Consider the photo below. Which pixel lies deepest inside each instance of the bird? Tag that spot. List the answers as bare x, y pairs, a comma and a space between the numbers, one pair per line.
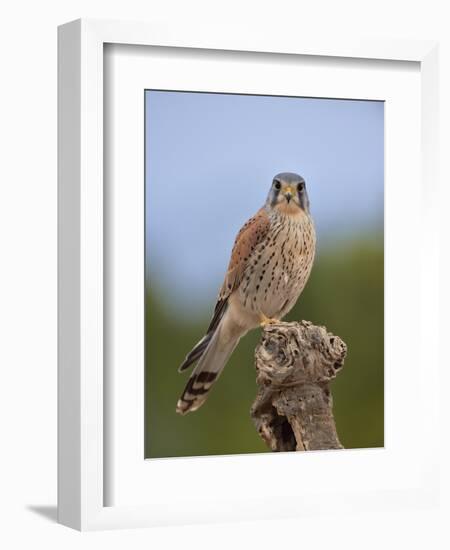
270, 264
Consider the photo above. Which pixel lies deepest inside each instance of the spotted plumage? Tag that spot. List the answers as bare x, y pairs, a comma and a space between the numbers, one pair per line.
270, 264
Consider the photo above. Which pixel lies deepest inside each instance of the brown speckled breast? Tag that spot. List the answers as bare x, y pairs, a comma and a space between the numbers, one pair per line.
279, 266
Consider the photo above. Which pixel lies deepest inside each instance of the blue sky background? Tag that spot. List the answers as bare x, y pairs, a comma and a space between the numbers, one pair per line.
210, 160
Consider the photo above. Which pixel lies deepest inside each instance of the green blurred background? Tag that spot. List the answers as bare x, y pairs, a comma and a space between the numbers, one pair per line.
210, 159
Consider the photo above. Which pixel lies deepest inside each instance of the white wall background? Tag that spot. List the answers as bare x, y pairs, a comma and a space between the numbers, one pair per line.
28, 269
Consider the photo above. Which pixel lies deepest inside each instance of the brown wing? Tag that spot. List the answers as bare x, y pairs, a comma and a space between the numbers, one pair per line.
250, 235
248, 238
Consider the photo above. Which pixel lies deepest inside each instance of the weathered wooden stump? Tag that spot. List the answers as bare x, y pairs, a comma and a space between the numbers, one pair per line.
293, 410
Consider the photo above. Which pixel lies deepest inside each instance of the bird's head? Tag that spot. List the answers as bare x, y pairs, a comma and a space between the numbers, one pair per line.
288, 194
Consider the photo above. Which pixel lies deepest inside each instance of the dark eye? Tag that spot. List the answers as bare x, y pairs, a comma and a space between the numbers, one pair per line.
277, 185
301, 186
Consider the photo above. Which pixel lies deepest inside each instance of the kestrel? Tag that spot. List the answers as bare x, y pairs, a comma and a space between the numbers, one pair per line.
270, 264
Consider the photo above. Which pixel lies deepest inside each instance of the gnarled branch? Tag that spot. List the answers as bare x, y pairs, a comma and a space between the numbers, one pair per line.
293, 410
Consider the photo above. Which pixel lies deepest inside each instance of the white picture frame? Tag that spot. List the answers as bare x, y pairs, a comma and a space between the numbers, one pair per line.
83, 480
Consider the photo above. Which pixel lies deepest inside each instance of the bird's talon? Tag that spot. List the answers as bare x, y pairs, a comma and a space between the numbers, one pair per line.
265, 321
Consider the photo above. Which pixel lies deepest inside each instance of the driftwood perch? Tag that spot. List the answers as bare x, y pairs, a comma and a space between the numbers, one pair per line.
293, 410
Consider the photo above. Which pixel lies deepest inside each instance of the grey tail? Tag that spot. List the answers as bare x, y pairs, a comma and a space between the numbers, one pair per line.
208, 369
194, 355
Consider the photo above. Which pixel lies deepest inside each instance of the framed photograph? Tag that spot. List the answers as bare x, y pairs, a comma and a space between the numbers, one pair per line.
244, 210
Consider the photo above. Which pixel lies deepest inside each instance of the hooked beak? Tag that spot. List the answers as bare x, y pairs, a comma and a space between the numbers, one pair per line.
288, 194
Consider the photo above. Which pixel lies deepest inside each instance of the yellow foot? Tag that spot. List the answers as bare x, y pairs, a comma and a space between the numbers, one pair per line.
267, 321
